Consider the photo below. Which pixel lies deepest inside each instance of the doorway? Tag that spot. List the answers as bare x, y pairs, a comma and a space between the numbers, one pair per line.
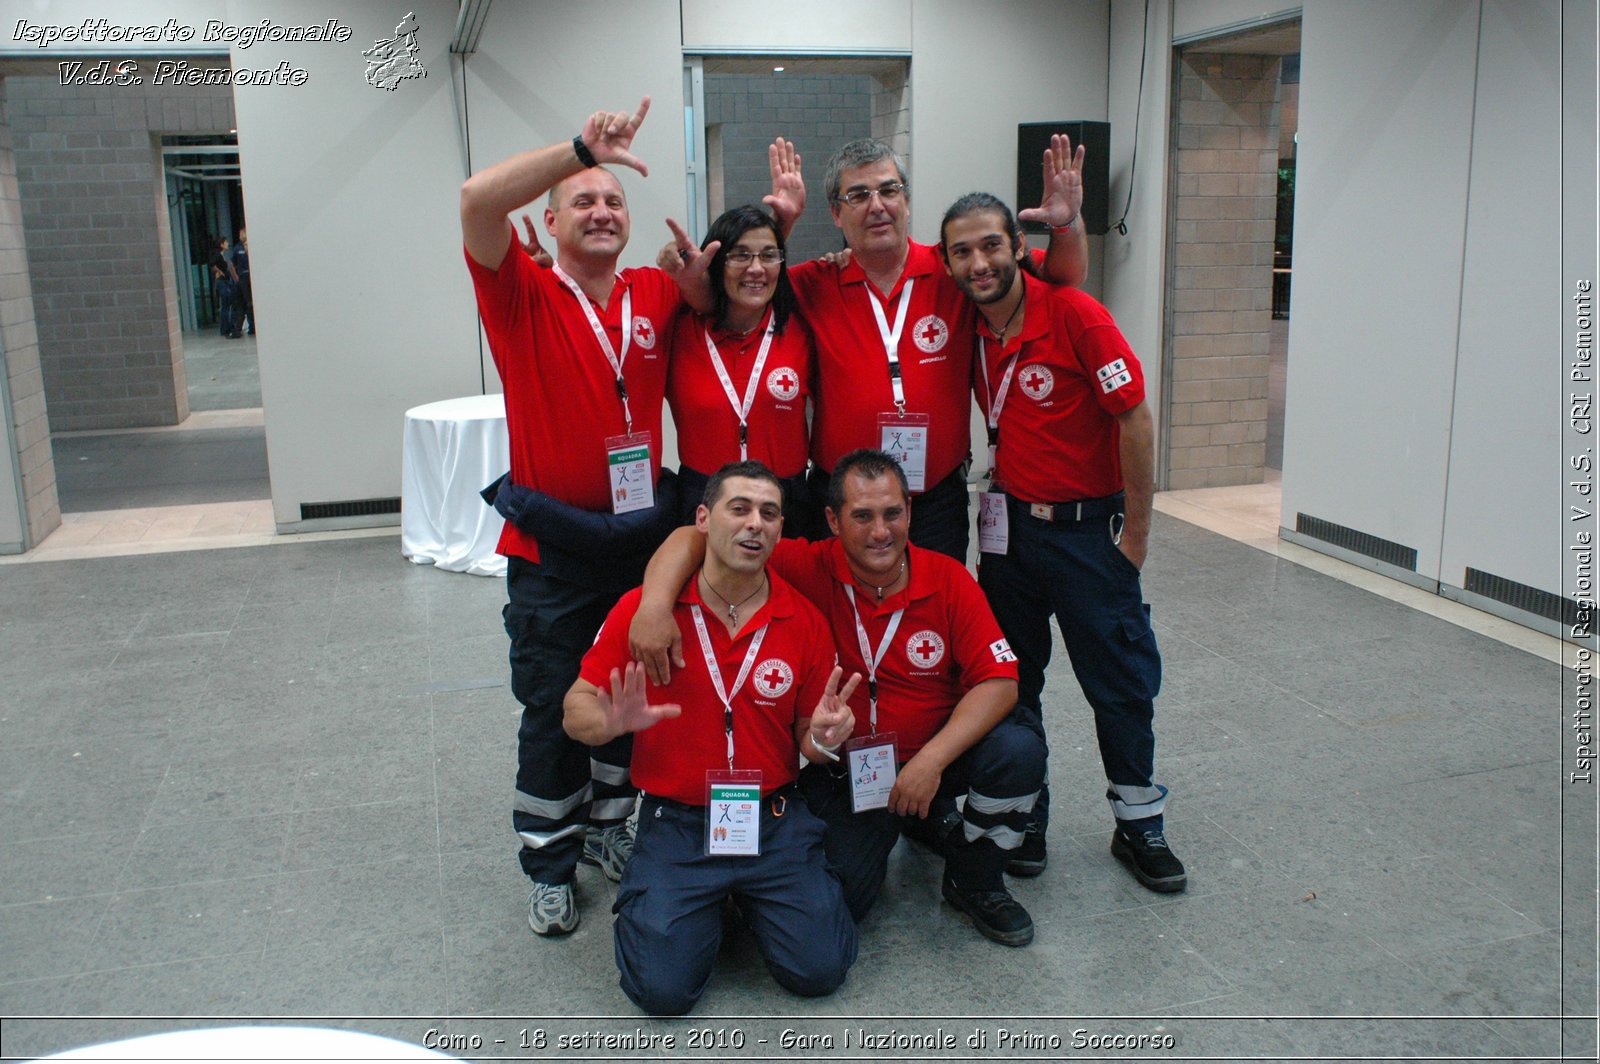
1234, 116
736, 104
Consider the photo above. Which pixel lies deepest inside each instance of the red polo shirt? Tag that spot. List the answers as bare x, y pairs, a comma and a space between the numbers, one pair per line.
708, 424
853, 385
1074, 374
790, 673
947, 642
561, 392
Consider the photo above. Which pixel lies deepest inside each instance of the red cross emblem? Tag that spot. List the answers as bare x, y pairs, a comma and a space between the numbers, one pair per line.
1036, 381
644, 334
930, 333
773, 677
925, 649
783, 383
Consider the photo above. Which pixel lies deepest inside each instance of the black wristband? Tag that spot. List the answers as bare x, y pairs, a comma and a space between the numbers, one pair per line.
581, 150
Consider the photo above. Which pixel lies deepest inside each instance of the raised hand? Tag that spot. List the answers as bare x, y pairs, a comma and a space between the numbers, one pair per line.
787, 200
625, 707
1063, 184
832, 721
609, 135
531, 246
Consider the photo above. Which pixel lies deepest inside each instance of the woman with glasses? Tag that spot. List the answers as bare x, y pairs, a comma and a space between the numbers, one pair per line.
740, 375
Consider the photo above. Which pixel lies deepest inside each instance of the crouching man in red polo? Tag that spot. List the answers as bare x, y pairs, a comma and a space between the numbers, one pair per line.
716, 752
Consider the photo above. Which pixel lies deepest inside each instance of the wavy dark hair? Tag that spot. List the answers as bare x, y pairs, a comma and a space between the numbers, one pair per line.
972, 203
728, 228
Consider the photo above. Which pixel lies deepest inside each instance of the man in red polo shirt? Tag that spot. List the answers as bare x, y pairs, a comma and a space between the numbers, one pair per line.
716, 752
1066, 526
894, 335
581, 351
934, 717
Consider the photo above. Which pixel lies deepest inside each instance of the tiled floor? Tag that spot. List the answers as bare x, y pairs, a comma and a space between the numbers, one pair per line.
272, 781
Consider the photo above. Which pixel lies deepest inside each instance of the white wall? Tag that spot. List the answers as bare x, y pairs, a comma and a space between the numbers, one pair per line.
143, 13
865, 27
1133, 267
355, 244
1386, 95
1208, 18
1502, 506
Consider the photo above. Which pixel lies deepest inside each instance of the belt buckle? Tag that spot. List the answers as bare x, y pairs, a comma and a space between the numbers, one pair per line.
1042, 510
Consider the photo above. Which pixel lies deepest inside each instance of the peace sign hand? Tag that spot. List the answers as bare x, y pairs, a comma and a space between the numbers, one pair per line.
832, 721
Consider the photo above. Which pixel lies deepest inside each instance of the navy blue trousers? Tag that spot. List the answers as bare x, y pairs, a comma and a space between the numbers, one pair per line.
1074, 572
669, 905
562, 785
1000, 775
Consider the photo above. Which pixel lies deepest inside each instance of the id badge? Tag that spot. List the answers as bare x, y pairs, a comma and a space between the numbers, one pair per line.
872, 771
733, 813
994, 530
628, 462
906, 437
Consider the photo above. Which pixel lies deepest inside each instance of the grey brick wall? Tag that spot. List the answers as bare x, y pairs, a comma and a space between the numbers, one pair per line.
94, 212
19, 339
817, 112
1223, 225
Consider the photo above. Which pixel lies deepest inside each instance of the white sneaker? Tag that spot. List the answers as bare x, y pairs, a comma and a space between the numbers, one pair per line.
551, 909
610, 848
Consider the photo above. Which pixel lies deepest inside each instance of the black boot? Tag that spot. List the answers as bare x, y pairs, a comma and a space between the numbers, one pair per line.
973, 884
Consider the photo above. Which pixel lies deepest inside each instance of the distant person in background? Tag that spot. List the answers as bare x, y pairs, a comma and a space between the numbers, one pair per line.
226, 284
245, 302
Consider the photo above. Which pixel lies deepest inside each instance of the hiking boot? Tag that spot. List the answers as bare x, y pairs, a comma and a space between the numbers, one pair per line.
1029, 859
995, 913
609, 848
552, 910
1150, 859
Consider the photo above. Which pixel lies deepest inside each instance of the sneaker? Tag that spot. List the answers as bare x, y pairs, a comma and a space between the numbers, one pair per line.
609, 848
1150, 859
995, 913
552, 910
1029, 859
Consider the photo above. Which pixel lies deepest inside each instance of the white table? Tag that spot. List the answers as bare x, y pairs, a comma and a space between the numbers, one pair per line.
453, 449
263, 1044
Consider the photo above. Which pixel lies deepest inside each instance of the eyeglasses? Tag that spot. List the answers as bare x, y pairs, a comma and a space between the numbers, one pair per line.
741, 256
888, 192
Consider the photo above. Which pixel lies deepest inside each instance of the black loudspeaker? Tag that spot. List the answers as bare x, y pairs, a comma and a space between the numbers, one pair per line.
1032, 140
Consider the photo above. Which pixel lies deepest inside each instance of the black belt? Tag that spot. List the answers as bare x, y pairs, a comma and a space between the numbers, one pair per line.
1071, 512
775, 801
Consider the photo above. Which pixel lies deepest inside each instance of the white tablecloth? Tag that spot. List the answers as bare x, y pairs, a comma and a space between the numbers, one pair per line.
265, 1044
452, 450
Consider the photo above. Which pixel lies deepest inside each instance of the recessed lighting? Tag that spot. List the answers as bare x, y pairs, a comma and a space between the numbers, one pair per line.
777, 70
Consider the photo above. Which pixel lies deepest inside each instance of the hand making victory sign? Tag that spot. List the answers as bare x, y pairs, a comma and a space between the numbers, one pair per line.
832, 722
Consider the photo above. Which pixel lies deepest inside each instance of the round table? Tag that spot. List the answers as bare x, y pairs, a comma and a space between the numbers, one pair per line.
453, 449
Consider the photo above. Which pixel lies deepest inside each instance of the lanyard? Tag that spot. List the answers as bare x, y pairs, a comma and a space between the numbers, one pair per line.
742, 409
998, 402
715, 670
605, 341
871, 657
891, 338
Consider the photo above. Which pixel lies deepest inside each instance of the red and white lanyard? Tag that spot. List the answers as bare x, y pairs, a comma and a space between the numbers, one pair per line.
994, 406
872, 657
605, 341
726, 696
891, 338
742, 409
